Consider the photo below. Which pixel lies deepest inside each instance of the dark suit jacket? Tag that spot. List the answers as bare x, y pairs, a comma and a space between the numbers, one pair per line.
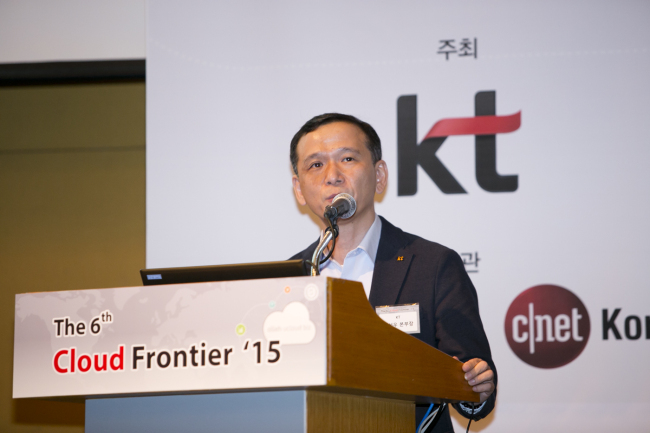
433, 276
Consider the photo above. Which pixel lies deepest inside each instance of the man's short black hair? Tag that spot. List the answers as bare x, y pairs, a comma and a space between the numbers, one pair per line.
372, 139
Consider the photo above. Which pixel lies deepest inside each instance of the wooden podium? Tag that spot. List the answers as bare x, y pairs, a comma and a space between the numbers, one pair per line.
374, 375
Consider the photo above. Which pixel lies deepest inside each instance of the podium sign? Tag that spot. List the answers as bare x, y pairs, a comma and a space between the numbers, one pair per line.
173, 338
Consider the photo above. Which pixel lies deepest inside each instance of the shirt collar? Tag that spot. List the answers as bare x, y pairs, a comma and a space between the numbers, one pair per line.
370, 242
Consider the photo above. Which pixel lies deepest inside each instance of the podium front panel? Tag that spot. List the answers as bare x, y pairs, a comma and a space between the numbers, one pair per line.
254, 334
268, 412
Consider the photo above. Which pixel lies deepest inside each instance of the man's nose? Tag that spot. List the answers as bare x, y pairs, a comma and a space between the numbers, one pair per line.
333, 175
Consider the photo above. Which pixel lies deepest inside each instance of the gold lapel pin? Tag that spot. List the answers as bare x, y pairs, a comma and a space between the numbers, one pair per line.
400, 258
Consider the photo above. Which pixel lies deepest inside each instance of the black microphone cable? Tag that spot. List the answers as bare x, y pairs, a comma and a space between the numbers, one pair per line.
470, 420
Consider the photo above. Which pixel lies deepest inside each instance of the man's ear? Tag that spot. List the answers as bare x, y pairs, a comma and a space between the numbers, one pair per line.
297, 191
381, 173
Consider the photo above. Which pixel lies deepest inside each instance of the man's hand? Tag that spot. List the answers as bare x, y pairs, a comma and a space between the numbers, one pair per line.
480, 376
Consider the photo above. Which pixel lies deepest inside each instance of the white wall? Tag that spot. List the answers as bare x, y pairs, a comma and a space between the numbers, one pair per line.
69, 30
228, 84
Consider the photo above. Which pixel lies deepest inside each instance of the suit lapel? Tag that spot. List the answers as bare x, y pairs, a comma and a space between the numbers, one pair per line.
391, 266
392, 263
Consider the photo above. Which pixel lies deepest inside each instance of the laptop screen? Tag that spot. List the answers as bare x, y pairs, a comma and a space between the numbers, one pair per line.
243, 271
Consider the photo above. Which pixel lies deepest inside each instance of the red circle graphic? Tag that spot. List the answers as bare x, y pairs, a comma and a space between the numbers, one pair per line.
556, 319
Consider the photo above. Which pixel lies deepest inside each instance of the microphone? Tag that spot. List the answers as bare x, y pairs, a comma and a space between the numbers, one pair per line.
343, 206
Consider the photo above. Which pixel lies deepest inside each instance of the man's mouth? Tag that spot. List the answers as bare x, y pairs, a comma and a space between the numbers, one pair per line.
329, 198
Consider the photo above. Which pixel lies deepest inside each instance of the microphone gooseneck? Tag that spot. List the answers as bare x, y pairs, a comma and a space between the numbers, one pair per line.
343, 206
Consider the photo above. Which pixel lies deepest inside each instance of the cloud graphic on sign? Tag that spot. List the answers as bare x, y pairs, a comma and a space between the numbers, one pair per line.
291, 326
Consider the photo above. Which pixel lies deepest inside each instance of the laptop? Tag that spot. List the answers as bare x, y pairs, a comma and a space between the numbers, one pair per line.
243, 271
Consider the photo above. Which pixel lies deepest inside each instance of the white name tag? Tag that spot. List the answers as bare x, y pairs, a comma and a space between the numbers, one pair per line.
403, 317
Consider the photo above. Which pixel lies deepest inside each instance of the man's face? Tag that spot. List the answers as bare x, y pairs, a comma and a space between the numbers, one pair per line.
334, 159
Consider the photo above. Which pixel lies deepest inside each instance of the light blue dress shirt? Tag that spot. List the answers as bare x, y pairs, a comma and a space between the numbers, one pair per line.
359, 264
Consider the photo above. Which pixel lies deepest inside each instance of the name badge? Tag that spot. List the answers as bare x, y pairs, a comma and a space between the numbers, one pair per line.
403, 317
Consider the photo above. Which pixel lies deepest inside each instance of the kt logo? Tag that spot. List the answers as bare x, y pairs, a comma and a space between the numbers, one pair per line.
484, 126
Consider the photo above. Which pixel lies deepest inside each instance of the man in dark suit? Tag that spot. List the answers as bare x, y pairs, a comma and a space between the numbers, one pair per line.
335, 153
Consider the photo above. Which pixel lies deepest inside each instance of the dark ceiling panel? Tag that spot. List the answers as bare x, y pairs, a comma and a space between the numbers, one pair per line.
17, 74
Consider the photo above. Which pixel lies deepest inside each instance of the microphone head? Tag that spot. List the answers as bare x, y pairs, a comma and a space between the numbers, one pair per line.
351, 208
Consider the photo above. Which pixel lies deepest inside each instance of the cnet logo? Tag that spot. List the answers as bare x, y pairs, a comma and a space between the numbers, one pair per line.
547, 326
